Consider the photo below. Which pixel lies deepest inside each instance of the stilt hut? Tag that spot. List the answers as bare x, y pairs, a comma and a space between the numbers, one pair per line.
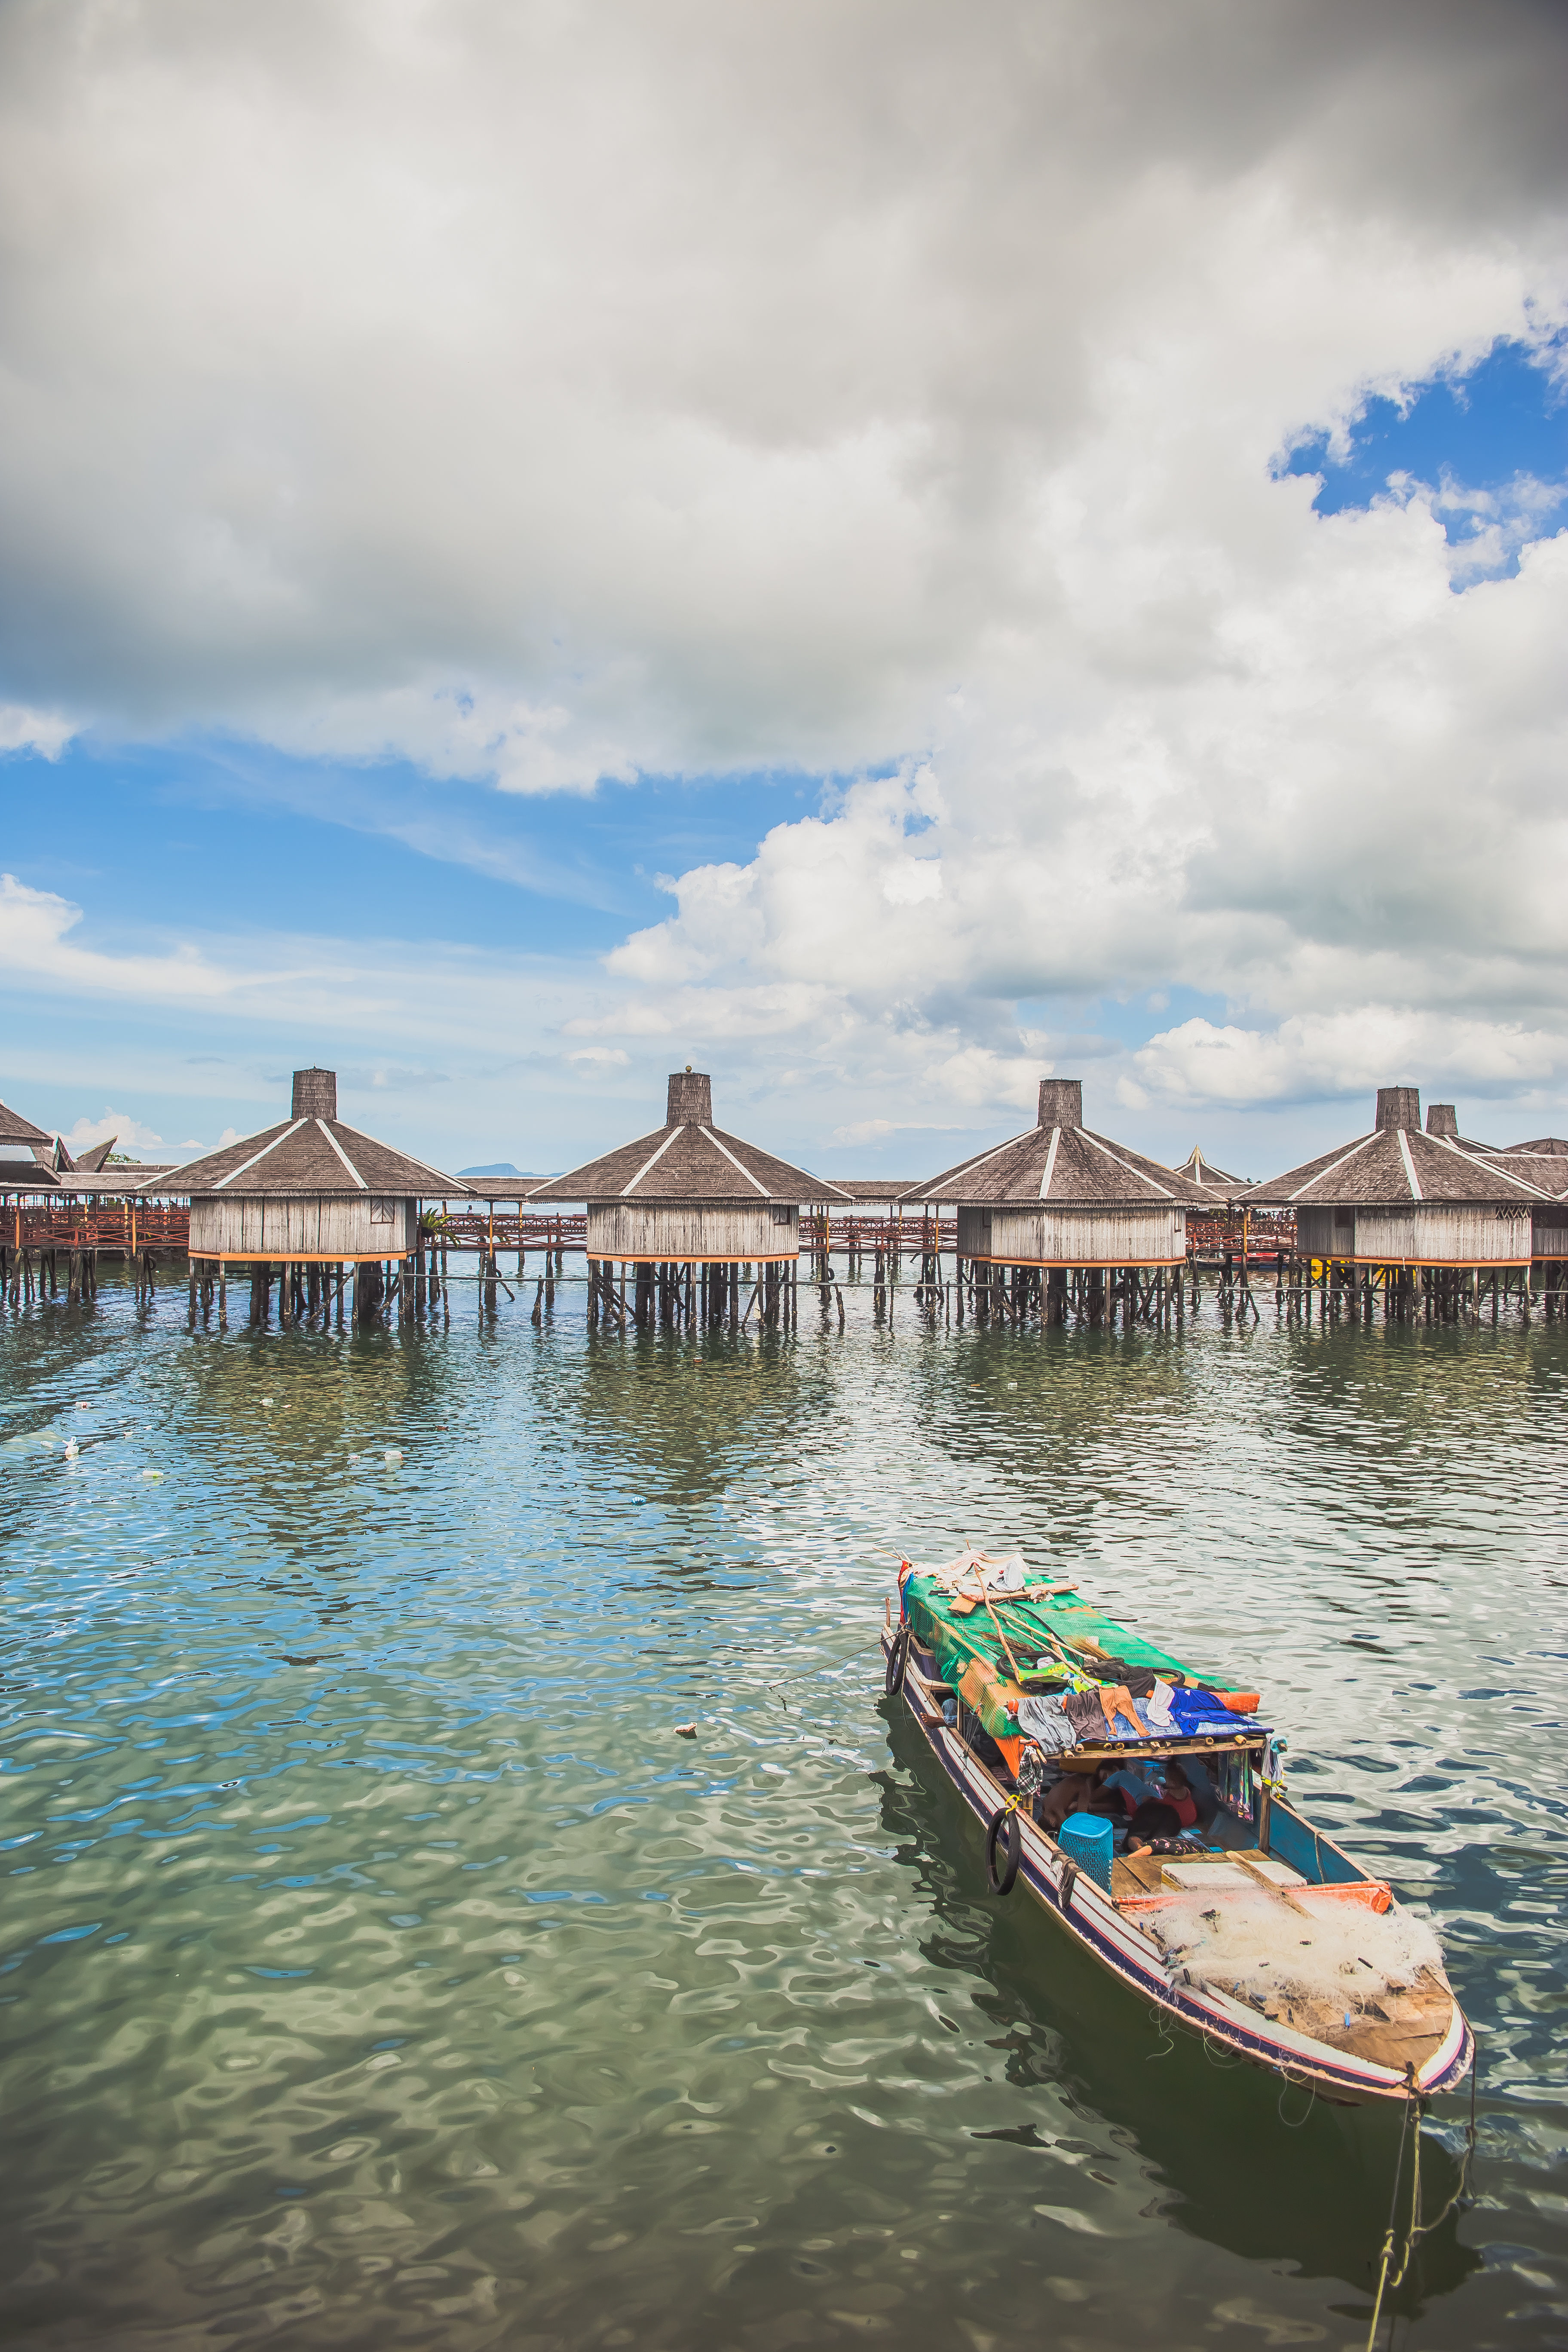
304, 1200
699, 1216
1406, 1213
1545, 1163
1064, 1222
26, 1153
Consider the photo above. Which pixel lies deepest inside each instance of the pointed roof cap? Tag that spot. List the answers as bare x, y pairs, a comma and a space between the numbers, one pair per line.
312, 1154
1061, 1162
1396, 1165
1199, 1170
688, 1158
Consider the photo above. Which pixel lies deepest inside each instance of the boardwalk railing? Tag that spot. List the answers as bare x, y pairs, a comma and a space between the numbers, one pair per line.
130, 1226
1265, 1236
136, 1226
494, 1230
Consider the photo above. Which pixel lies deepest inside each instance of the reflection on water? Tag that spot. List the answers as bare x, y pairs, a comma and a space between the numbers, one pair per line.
379, 1969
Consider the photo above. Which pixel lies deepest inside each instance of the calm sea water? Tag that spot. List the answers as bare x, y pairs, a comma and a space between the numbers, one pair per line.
380, 1970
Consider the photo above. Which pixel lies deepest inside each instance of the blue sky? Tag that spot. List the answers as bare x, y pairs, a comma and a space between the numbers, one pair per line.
508, 652
1481, 431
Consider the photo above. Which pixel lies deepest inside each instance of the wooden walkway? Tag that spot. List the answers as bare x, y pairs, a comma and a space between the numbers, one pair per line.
136, 1228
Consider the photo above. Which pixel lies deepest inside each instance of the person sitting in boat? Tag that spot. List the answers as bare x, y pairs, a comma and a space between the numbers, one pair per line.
1151, 1823
1200, 1788
1069, 1793
1176, 1790
1132, 1786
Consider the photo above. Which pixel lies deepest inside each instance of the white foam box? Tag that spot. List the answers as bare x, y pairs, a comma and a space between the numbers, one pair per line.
1277, 1873
1205, 1877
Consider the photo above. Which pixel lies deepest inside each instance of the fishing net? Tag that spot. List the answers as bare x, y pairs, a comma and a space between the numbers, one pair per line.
1262, 1945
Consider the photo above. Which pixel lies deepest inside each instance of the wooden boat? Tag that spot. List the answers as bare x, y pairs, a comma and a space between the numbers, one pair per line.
1264, 1865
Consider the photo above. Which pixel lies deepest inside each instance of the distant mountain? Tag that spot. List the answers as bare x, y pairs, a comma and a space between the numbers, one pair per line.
505, 1168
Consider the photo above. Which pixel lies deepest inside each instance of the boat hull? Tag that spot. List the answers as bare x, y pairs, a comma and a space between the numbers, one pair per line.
1093, 1919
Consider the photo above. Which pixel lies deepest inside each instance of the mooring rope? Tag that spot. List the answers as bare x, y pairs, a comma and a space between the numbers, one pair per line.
1388, 2278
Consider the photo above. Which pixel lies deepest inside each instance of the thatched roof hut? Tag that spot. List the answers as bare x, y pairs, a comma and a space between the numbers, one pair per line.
1544, 1162
688, 1192
1060, 1195
309, 1188
1397, 1197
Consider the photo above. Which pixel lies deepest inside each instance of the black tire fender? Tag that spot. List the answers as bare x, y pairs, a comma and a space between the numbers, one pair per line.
1003, 1828
898, 1658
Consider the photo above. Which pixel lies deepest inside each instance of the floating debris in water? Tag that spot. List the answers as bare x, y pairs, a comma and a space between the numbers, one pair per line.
392, 1454
71, 1447
151, 1474
686, 1731
267, 1400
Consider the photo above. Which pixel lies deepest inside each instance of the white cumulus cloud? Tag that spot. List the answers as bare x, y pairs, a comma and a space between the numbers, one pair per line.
879, 391
131, 1133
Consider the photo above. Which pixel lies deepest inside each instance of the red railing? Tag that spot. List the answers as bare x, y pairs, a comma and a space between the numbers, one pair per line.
131, 1225
1265, 1235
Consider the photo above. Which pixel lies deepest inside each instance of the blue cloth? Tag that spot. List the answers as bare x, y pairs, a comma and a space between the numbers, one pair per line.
1199, 1713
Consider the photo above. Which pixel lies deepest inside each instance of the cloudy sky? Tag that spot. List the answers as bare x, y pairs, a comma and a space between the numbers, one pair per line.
878, 549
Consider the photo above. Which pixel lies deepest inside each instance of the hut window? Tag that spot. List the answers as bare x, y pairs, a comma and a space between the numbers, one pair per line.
1344, 1220
384, 1213
783, 1216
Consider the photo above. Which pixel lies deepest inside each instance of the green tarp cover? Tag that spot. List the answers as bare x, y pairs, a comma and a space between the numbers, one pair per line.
956, 1640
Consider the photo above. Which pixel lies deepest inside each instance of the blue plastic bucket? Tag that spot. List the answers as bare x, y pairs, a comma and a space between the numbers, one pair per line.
1085, 1839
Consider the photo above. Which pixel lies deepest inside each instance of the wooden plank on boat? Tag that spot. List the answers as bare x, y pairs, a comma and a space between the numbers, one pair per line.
1199, 1877
1274, 1873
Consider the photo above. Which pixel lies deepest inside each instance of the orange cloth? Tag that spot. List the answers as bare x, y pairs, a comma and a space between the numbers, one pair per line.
1366, 1893
1013, 1751
1117, 1707
1240, 1702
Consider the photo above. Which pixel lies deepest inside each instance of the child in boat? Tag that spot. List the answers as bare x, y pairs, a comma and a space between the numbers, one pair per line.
1152, 1822
1177, 1792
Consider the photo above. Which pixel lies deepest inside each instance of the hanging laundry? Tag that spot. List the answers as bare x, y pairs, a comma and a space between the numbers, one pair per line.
1117, 1707
1156, 1706
1047, 1720
1202, 1712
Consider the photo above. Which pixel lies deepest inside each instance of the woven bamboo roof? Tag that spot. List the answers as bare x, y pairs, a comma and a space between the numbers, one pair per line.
1545, 1147
14, 1128
689, 1159
1396, 1165
312, 1155
1061, 1162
